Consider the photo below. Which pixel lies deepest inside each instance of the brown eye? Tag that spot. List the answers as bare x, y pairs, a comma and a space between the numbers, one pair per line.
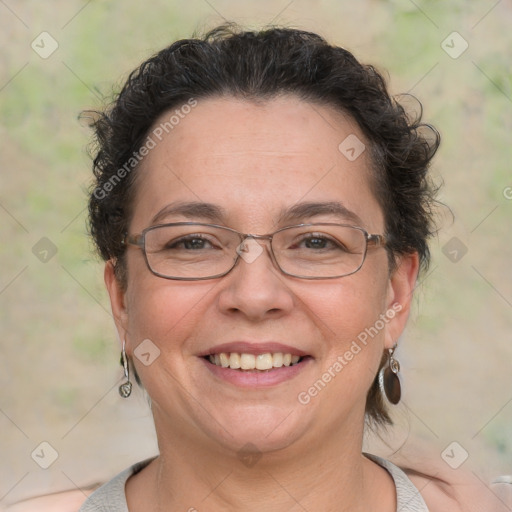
319, 242
316, 243
190, 243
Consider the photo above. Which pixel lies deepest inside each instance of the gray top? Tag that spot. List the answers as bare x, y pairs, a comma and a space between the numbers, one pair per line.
111, 497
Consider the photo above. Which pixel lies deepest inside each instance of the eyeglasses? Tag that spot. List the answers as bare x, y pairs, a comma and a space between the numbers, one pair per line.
192, 251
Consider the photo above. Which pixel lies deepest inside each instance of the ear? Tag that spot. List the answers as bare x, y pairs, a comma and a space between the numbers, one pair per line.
117, 299
399, 297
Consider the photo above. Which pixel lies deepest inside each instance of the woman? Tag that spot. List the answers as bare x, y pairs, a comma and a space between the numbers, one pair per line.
263, 207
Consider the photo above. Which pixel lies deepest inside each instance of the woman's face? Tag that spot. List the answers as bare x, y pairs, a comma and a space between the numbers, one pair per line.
258, 165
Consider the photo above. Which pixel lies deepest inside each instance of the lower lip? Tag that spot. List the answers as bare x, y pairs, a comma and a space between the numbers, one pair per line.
257, 378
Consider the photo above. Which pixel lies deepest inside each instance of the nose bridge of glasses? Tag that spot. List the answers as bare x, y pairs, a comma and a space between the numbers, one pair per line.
245, 236
250, 247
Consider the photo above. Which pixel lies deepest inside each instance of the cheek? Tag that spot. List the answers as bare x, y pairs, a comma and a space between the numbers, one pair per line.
165, 311
353, 338
349, 315
347, 307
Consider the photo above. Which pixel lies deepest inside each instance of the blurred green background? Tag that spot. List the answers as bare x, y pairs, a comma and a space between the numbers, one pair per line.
59, 354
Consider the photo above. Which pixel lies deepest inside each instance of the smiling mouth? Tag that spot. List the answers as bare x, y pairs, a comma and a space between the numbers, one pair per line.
247, 362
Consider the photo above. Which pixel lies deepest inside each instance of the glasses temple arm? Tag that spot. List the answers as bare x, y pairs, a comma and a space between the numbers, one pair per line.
137, 240
377, 240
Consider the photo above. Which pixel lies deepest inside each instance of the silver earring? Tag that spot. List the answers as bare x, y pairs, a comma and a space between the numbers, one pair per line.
125, 389
390, 382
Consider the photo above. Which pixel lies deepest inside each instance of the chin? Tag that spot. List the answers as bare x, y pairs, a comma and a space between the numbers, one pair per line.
260, 428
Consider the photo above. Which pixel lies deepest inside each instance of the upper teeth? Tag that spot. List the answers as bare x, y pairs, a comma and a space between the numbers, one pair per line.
265, 361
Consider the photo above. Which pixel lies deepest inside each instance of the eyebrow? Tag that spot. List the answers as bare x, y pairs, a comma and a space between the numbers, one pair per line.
307, 210
193, 209
297, 213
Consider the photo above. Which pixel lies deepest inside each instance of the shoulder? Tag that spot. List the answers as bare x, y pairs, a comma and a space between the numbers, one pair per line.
439, 495
458, 490
69, 501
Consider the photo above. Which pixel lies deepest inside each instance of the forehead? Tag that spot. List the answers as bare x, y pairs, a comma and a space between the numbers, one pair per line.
255, 159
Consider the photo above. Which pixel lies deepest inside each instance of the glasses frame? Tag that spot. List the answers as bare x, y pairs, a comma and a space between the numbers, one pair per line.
139, 240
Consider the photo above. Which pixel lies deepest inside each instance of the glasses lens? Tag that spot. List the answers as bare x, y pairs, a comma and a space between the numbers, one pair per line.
190, 251
202, 251
320, 250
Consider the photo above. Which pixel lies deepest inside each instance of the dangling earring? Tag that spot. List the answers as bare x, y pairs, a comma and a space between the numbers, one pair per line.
125, 389
390, 382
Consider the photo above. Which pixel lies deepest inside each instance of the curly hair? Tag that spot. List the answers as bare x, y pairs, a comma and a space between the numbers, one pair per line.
259, 65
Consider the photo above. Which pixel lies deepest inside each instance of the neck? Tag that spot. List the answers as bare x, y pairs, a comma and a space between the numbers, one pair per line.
311, 475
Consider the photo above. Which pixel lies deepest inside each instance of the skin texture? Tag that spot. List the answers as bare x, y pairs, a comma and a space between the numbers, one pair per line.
311, 453
253, 160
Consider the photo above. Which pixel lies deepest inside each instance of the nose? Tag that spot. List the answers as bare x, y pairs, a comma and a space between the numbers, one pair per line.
255, 288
